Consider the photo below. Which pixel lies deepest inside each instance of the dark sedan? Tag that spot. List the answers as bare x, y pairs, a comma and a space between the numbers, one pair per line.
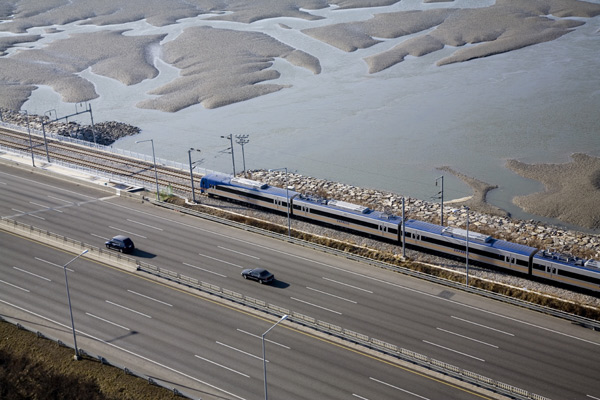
258, 274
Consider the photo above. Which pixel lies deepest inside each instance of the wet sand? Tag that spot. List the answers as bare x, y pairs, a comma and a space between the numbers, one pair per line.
572, 190
476, 202
221, 66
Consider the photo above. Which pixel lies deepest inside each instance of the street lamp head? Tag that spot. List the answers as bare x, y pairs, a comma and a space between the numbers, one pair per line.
85, 251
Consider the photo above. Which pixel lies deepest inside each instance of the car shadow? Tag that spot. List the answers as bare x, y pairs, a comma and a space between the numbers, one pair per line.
280, 284
142, 254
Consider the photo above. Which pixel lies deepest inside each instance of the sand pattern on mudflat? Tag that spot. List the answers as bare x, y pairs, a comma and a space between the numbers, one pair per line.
231, 72
221, 66
572, 190
480, 32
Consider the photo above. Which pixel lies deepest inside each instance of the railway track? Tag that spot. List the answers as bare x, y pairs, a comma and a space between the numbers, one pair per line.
129, 168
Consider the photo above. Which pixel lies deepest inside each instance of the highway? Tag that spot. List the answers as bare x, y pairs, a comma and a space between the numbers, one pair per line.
535, 352
206, 349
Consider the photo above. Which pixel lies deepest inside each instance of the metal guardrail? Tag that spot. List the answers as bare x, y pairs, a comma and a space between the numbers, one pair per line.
587, 322
126, 153
273, 309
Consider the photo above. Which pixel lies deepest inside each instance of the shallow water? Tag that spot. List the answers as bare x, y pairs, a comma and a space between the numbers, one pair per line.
389, 130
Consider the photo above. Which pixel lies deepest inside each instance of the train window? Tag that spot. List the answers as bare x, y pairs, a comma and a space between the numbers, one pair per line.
580, 277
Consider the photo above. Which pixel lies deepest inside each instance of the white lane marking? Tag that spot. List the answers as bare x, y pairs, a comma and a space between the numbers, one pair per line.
222, 366
39, 205
219, 260
266, 340
128, 309
31, 273
592, 397
124, 349
28, 213
124, 231
99, 237
2, 183
53, 264
238, 252
397, 388
332, 295
15, 286
466, 337
455, 351
205, 270
59, 199
240, 351
314, 305
146, 225
360, 397
108, 322
46, 207
150, 298
37, 183
350, 272
483, 326
345, 284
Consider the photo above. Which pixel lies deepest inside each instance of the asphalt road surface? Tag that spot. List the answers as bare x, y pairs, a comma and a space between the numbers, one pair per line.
541, 354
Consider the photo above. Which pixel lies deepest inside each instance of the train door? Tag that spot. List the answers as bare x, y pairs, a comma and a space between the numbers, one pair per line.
511, 261
551, 270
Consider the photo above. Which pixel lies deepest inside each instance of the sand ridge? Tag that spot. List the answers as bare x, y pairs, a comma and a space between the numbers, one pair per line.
241, 61
503, 27
572, 190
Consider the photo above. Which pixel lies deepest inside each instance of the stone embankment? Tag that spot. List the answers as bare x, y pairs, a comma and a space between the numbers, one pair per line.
530, 232
104, 133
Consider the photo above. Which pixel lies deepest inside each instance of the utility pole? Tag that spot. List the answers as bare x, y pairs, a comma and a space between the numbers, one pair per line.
242, 140
230, 137
441, 196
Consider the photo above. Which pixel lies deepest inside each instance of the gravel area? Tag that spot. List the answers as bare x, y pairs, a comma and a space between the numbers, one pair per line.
411, 254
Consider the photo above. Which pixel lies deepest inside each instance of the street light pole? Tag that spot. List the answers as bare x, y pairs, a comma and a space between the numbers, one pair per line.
154, 160
263, 352
230, 137
191, 173
287, 197
30, 142
403, 231
467, 259
467, 209
76, 357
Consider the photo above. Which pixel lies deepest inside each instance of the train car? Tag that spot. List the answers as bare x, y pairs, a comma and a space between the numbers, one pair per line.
348, 216
567, 270
483, 249
246, 191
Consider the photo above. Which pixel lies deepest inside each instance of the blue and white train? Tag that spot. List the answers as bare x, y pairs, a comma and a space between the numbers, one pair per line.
483, 249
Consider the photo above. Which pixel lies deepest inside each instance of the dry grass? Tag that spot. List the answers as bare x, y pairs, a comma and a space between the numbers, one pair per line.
38, 368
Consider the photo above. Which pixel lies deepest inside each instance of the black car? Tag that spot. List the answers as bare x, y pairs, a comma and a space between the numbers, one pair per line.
121, 243
258, 274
